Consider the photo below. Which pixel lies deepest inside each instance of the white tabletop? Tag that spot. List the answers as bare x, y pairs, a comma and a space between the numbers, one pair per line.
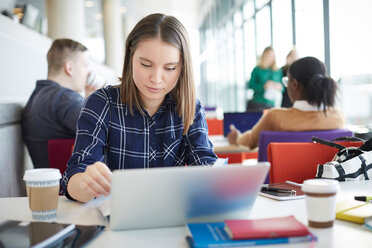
342, 234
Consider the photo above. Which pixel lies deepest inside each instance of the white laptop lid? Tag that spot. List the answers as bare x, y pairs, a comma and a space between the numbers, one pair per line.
173, 196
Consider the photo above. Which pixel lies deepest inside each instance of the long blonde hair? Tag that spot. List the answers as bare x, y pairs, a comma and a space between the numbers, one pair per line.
170, 30
261, 63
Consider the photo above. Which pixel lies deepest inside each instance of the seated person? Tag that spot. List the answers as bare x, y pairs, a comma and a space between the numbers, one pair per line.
152, 119
313, 95
54, 105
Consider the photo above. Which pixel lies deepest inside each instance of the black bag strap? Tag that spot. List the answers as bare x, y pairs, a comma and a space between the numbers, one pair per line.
348, 138
328, 143
367, 146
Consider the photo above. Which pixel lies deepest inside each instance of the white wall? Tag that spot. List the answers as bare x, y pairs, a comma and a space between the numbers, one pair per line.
22, 60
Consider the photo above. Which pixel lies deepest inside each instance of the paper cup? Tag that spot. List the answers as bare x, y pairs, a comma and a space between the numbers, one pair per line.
42, 187
320, 201
96, 80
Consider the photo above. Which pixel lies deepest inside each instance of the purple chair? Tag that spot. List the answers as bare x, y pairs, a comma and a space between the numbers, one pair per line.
266, 137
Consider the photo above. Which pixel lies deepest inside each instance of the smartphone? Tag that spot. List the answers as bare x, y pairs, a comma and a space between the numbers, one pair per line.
283, 196
45, 234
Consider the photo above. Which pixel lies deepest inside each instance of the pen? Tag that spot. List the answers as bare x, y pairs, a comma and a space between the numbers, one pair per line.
293, 183
278, 190
363, 198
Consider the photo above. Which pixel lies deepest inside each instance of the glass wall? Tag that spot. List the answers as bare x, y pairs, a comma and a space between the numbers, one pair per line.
263, 29
310, 28
351, 38
350, 54
282, 29
239, 62
235, 33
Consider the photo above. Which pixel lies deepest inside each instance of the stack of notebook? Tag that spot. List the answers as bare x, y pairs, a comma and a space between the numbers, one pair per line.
238, 233
355, 211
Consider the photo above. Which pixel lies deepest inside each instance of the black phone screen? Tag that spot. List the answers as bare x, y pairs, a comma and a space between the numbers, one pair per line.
45, 234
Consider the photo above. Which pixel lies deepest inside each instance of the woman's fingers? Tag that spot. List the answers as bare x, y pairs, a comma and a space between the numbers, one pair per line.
97, 179
105, 171
232, 137
92, 186
232, 128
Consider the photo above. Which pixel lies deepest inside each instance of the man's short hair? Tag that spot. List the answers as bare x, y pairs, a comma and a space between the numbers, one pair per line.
60, 51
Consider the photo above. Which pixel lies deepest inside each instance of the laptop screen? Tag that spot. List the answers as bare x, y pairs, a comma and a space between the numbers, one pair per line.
174, 196
243, 121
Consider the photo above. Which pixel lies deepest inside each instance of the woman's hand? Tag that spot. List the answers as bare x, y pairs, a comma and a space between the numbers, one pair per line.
94, 182
96, 179
233, 136
269, 84
274, 85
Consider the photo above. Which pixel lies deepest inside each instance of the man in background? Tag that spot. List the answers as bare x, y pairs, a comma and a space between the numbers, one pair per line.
54, 106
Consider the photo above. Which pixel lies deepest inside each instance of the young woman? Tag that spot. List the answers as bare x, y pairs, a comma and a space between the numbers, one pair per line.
151, 120
265, 82
313, 95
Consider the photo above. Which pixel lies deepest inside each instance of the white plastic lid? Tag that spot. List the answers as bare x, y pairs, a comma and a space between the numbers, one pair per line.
320, 186
42, 175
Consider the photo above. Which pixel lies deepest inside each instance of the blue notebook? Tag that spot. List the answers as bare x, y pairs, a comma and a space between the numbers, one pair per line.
205, 235
243, 121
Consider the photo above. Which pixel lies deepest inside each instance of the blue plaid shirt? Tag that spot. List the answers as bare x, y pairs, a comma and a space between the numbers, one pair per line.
107, 132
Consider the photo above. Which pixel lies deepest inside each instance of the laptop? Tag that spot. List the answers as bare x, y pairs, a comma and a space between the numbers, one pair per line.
242, 120
174, 196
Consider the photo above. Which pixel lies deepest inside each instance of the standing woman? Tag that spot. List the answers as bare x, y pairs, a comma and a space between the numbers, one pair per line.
265, 82
151, 120
313, 94
292, 56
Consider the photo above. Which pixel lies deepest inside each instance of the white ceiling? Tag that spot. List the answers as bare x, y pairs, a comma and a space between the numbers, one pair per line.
189, 12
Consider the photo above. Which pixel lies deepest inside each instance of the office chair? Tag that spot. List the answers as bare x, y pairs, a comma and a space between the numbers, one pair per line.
59, 152
215, 126
266, 137
298, 161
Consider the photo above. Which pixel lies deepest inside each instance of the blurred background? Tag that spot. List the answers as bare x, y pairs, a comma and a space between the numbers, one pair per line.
227, 38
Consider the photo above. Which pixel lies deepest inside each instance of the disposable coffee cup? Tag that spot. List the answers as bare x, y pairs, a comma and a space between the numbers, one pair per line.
320, 197
42, 186
96, 80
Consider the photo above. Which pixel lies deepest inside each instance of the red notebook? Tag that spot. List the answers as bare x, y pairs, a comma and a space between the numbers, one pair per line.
287, 226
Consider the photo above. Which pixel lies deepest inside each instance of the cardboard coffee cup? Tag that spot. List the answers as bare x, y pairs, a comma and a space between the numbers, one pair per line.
96, 80
42, 187
320, 201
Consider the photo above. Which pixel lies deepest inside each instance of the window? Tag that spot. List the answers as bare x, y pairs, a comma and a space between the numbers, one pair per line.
250, 48
228, 92
260, 3
263, 24
351, 38
248, 10
282, 29
310, 28
239, 62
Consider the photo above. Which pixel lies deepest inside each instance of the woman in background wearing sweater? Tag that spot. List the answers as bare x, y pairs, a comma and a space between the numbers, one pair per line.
313, 95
